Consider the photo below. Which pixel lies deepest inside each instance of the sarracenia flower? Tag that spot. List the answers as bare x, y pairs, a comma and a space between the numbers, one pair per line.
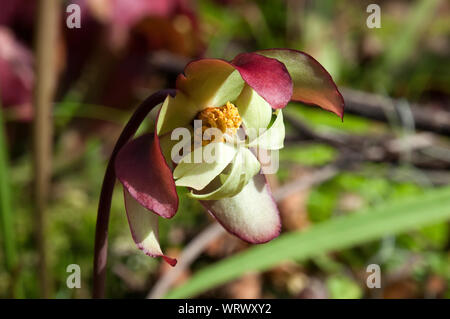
229, 111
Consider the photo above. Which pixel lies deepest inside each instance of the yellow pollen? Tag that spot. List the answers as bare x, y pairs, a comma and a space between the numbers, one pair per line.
226, 118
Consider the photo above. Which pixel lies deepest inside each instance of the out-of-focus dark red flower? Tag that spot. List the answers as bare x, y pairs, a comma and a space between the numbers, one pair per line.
166, 24
18, 14
108, 55
118, 37
16, 58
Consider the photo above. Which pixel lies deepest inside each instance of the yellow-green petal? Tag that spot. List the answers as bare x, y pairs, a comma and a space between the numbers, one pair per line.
273, 138
210, 82
253, 109
178, 111
244, 167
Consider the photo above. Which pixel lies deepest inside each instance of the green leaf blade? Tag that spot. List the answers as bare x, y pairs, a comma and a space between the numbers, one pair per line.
339, 233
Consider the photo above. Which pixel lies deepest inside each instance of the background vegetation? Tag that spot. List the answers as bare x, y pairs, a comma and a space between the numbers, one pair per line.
370, 190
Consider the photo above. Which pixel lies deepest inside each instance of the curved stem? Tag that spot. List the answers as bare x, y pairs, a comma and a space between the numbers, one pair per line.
104, 205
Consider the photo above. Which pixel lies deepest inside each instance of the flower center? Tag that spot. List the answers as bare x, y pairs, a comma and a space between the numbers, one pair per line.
226, 118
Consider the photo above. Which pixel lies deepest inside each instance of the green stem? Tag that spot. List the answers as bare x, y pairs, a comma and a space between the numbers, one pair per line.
104, 205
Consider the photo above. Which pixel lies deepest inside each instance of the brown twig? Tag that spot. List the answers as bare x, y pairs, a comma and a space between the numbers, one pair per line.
46, 37
104, 205
305, 182
129, 277
384, 148
189, 254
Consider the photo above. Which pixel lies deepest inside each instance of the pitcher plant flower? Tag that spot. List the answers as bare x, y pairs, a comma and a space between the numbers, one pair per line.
221, 116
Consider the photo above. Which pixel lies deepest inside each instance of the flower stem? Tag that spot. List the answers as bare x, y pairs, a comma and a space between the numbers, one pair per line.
104, 205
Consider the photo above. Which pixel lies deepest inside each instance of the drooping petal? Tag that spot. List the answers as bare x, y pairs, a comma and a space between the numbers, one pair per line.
141, 168
245, 165
252, 215
268, 77
210, 82
144, 228
312, 83
273, 138
178, 111
253, 109
198, 168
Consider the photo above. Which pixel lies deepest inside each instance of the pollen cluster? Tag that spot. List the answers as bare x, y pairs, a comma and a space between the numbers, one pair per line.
226, 118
